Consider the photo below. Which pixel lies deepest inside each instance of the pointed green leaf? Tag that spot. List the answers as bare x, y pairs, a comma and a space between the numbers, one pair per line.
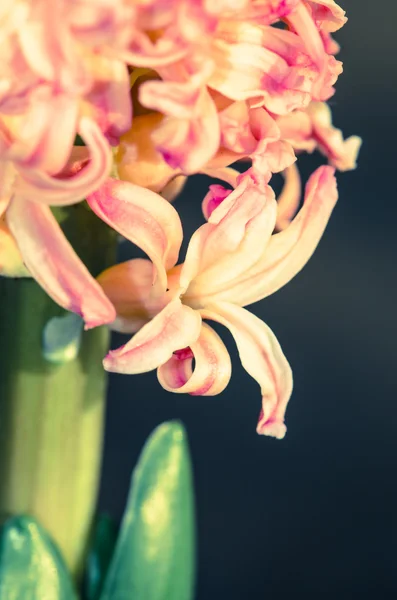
154, 556
30, 565
100, 555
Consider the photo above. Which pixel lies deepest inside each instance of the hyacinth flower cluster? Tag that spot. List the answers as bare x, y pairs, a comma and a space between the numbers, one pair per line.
158, 91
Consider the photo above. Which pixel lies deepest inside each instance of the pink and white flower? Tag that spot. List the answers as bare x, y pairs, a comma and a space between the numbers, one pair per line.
227, 85
232, 260
230, 55
58, 80
38, 244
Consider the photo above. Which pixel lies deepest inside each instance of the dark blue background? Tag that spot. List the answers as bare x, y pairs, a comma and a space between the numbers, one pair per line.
314, 514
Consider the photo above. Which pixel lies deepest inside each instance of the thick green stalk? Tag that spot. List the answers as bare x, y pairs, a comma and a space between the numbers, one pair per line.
51, 416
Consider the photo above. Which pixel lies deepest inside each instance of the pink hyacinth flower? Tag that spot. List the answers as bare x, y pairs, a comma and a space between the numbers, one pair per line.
233, 260
58, 79
42, 247
231, 65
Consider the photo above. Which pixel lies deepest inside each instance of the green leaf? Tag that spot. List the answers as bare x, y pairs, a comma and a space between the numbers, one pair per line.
100, 555
30, 565
154, 557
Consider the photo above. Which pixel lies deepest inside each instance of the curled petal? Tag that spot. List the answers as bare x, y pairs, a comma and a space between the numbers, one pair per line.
53, 263
328, 69
264, 128
48, 47
212, 369
248, 68
75, 182
144, 218
214, 197
194, 21
254, 133
231, 242
270, 12
226, 174
240, 67
187, 145
262, 357
189, 137
236, 132
288, 200
312, 128
302, 21
180, 100
330, 45
288, 251
277, 157
110, 97
175, 327
55, 146
297, 129
144, 53
271, 155
341, 153
34, 140
129, 286
327, 15
51, 154
99, 23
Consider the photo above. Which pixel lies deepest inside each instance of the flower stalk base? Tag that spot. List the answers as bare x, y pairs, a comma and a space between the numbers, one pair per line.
51, 416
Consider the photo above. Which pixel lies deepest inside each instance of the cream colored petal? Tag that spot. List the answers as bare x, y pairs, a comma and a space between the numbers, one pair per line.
288, 251
211, 372
70, 186
288, 200
174, 328
231, 242
262, 357
129, 286
53, 263
144, 218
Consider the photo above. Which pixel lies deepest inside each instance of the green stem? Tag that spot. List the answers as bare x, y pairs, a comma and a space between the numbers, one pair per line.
51, 416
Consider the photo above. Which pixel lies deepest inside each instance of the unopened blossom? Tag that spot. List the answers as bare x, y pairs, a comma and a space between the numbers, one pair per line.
232, 260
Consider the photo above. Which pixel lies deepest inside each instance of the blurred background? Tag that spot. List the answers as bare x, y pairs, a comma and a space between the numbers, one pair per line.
313, 514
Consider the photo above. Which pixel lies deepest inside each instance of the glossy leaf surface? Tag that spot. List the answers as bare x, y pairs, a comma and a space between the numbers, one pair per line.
31, 567
154, 556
